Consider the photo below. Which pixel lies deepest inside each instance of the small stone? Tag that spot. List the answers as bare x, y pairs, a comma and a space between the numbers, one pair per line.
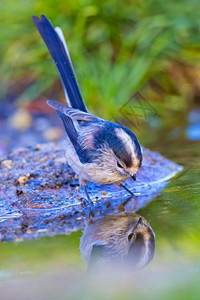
43, 159
22, 179
7, 163
19, 192
53, 134
61, 160
77, 187
21, 119
37, 148
42, 230
108, 204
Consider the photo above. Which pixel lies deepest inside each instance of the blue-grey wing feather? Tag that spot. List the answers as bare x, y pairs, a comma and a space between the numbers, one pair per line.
70, 129
73, 113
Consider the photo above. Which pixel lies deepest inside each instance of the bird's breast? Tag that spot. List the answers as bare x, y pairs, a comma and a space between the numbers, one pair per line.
93, 172
102, 176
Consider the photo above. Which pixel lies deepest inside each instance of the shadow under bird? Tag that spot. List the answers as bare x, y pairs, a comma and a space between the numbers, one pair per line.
123, 240
98, 150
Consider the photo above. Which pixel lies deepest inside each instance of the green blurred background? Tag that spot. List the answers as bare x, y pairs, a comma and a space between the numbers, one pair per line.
117, 48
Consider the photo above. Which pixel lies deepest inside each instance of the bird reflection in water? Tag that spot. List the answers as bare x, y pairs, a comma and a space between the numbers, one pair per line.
124, 240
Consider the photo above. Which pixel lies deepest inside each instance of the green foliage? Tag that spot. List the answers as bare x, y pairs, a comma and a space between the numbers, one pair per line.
116, 48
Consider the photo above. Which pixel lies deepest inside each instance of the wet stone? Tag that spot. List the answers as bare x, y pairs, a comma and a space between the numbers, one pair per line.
40, 194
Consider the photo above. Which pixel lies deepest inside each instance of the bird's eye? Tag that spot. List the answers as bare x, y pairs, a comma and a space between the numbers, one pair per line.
119, 165
130, 237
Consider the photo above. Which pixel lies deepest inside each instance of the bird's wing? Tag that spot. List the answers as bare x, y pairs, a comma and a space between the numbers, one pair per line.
70, 129
74, 114
100, 255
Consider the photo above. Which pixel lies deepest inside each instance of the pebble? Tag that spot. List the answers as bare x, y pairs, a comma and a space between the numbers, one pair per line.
19, 192
61, 160
22, 179
21, 119
42, 230
7, 163
53, 134
43, 159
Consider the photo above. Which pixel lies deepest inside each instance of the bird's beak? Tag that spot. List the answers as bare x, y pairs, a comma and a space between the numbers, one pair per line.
139, 221
133, 177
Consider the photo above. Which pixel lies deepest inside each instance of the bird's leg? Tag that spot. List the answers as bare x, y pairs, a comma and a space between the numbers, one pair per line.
121, 207
120, 184
88, 197
83, 184
88, 217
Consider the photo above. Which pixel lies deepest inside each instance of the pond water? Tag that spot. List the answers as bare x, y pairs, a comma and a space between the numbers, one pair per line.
52, 267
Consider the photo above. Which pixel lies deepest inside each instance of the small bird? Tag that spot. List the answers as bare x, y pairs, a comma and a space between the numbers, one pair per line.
97, 150
122, 240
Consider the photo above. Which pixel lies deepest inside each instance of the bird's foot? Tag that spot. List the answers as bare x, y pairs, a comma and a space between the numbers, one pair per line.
88, 200
120, 184
121, 207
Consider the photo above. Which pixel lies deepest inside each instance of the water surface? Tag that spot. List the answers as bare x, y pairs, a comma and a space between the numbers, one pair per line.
174, 216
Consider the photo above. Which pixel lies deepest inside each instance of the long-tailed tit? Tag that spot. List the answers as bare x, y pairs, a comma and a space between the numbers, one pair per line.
98, 150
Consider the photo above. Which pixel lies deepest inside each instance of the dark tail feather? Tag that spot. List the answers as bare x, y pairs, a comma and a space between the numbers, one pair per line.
62, 61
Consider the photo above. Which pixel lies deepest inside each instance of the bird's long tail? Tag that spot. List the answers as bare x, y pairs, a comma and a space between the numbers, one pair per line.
55, 42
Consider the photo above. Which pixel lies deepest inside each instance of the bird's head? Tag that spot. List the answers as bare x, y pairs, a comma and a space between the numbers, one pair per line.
117, 152
127, 151
141, 240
